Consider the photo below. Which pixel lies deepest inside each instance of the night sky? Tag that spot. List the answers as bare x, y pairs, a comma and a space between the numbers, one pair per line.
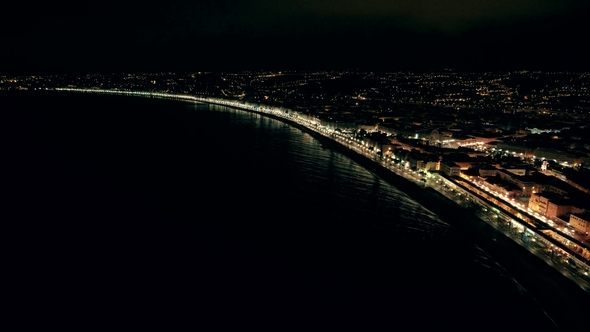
184, 35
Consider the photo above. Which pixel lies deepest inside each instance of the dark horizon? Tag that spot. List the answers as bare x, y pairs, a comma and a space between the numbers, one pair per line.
260, 35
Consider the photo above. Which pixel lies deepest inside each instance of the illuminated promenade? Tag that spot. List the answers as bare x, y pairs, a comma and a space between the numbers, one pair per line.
527, 232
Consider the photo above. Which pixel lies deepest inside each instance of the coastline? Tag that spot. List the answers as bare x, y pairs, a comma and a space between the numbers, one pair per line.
561, 297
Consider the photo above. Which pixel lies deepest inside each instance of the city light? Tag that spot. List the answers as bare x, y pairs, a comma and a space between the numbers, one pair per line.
404, 169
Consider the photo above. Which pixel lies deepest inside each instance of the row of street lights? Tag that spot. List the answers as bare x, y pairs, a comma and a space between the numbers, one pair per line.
355, 144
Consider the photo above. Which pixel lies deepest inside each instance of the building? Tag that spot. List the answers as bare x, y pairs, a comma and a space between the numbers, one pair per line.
431, 165
486, 172
526, 183
502, 187
423, 161
550, 204
450, 168
580, 222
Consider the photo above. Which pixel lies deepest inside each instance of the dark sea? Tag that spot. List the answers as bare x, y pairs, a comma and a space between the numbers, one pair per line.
156, 211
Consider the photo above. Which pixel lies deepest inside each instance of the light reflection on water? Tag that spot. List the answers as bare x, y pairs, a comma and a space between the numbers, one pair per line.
247, 199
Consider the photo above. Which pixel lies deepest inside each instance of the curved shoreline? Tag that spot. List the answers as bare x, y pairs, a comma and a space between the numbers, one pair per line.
518, 261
